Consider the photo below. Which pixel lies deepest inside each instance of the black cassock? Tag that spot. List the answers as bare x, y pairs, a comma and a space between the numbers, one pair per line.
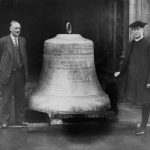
136, 68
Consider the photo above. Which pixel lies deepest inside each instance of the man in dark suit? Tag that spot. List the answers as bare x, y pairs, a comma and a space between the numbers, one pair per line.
13, 74
135, 69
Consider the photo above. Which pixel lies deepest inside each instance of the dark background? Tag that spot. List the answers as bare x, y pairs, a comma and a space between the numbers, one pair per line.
105, 22
99, 20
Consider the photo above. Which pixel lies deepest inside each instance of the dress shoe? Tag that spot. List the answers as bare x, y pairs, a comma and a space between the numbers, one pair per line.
4, 125
140, 131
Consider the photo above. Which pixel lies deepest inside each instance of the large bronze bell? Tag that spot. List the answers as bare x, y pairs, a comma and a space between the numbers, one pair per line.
68, 80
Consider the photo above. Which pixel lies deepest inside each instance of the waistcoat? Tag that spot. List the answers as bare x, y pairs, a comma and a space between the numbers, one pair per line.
17, 58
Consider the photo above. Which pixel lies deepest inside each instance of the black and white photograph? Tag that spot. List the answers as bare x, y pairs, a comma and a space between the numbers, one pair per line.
74, 74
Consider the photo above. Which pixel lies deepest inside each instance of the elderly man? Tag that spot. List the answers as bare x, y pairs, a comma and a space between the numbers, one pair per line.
136, 68
13, 73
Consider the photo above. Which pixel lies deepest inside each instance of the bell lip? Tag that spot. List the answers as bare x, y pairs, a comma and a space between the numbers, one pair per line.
100, 109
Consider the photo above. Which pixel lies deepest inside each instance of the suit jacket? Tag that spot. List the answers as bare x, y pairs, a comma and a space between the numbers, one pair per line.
6, 57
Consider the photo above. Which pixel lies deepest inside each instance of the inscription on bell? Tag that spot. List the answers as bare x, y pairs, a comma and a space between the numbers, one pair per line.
68, 79
76, 67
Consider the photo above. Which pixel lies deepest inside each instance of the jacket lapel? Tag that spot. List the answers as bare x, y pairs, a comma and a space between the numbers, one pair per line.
9, 45
21, 46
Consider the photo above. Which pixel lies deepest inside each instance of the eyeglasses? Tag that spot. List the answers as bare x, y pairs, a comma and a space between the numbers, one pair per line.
136, 29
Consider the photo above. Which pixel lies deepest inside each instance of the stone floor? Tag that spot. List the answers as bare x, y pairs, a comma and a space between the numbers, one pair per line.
128, 113
119, 135
96, 135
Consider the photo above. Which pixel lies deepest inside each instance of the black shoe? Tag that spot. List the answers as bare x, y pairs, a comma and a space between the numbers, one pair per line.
140, 131
4, 125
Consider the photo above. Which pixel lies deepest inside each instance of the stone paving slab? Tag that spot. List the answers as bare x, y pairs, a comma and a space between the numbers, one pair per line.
128, 113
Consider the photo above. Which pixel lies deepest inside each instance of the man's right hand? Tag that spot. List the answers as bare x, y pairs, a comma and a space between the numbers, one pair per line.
116, 74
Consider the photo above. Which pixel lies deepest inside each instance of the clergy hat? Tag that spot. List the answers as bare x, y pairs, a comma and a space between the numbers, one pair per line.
137, 24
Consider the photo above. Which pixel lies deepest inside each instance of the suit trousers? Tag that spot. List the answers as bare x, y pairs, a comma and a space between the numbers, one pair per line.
16, 88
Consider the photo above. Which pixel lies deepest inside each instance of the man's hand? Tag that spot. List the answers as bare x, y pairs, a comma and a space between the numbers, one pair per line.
148, 85
116, 74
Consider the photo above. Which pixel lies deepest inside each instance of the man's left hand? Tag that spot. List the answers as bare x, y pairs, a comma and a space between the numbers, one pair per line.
148, 85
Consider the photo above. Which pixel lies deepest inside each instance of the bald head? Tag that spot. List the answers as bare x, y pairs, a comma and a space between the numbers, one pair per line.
15, 28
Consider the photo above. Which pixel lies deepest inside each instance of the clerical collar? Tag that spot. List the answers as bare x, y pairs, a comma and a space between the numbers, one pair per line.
139, 38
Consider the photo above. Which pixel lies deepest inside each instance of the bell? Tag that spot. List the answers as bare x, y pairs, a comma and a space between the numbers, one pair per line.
68, 81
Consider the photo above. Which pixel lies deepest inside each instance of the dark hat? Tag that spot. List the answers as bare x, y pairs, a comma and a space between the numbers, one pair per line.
137, 24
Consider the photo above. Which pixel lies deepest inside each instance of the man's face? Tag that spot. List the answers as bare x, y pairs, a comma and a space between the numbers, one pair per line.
15, 29
137, 32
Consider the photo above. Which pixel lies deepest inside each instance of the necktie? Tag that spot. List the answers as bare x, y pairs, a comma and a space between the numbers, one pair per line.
16, 42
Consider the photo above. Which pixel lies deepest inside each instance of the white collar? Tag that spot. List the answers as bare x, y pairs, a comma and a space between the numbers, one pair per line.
12, 37
139, 38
